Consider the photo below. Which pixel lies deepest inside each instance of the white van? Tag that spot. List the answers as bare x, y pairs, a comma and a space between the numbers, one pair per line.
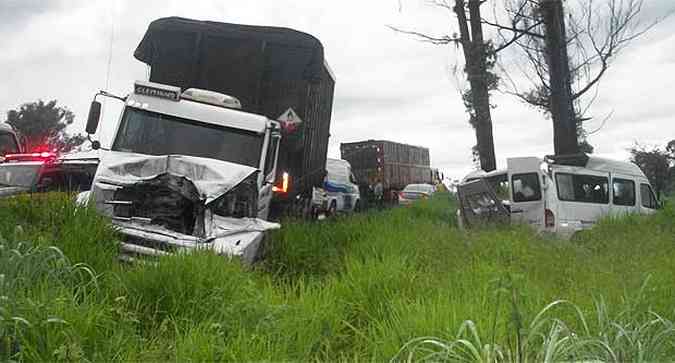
557, 194
341, 190
9, 142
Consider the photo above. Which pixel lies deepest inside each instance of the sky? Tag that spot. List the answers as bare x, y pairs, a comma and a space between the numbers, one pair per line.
388, 85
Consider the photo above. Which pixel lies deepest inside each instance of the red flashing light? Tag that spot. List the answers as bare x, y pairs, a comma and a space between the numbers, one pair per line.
284, 184
38, 156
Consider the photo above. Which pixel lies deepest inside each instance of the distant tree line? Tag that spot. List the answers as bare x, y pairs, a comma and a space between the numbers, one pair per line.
42, 126
658, 164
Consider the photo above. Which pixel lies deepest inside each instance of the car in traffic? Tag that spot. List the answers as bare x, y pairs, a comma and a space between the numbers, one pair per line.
414, 192
45, 172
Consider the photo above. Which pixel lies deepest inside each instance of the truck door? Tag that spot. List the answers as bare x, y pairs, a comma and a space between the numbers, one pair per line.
526, 191
269, 176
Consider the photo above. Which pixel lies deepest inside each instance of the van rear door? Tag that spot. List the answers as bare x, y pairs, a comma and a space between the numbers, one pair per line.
526, 191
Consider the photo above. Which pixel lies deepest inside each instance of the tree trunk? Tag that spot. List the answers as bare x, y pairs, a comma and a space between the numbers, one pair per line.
561, 103
476, 68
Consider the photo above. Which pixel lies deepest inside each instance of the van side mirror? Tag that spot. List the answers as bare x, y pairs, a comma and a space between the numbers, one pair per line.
94, 115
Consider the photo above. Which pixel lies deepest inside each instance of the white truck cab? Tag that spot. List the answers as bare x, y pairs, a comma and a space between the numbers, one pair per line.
560, 195
186, 169
341, 190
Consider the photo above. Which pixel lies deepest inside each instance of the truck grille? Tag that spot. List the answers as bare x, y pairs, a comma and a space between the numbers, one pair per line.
168, 201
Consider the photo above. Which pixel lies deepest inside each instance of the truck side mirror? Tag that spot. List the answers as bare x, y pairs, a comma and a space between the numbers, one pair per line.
94, 115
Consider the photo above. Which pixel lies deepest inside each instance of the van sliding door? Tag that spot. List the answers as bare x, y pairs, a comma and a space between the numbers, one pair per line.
526, 191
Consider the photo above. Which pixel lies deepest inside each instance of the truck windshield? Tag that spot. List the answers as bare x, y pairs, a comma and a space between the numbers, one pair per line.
18, 175
152, 133
337, 171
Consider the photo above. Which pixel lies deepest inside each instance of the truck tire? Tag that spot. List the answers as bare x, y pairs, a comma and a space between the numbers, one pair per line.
357, 206
332, 209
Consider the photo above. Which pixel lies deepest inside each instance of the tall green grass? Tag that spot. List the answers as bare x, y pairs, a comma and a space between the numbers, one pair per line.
364, 287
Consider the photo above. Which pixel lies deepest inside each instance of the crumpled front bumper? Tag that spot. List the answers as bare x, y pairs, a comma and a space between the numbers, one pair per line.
242, 239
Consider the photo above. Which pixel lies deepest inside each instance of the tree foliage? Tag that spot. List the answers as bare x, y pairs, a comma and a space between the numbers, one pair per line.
657, 164
42, 125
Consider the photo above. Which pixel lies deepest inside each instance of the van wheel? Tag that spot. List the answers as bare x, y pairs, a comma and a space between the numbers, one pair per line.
332, 210
357, 206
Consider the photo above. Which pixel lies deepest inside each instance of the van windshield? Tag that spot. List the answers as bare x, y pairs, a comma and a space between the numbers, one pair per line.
153, 133
500, 185
8, 144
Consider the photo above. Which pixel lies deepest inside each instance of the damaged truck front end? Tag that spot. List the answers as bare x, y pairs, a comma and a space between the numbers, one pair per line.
186, 170
173, 203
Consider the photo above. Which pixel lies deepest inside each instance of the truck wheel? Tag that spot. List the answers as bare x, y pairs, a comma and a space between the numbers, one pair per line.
307, 208
357, 206
315, 213
332, 210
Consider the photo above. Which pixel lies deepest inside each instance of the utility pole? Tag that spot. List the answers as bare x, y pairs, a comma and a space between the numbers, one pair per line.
561, 102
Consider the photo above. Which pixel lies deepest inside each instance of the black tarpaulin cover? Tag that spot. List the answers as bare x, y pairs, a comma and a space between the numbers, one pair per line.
196, 51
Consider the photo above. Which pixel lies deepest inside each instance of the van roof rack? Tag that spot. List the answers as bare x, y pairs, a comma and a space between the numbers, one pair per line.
580, 159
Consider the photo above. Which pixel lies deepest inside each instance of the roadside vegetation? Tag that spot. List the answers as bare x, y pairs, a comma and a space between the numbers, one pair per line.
400, 284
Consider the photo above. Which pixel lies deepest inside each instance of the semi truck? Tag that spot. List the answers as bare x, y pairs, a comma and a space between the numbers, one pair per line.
193, 167
393, 164
275, 72
342, 193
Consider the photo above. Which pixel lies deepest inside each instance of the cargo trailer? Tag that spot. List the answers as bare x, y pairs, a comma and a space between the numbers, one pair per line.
394, 164
276, 72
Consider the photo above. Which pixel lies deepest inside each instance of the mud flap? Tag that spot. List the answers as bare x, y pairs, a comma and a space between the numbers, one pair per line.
479, 204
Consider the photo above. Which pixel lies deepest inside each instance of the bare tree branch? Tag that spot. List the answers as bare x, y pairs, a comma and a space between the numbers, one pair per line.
596, 33
526, 31
442, 40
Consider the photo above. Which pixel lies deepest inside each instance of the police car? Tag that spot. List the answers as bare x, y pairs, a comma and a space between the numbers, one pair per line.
45, 171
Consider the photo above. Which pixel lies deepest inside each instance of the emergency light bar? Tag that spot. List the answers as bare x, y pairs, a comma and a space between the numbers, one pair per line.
157, 90
41, 156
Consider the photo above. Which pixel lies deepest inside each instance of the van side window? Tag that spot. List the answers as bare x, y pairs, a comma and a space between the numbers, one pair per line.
647, 196
624, 192
582, 188
526, 187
